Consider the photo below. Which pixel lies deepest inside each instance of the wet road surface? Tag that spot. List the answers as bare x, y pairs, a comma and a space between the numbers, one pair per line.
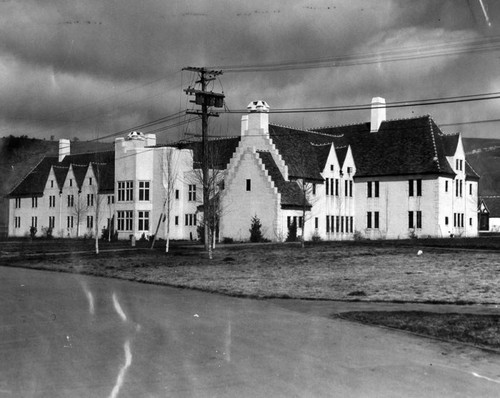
66, 335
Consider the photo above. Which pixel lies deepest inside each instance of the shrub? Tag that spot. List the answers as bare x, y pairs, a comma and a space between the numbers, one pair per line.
47, 232
227, 240
33, 232
255, 230
315, 237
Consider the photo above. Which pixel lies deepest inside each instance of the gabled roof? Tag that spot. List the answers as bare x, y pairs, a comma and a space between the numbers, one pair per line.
220, 151
341, 154
33, 184
300, 150
450, 142
291, 194
399, 147
470, 173
492, 204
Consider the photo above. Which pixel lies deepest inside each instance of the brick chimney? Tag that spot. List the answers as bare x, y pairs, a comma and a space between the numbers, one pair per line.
64, 148
378, 113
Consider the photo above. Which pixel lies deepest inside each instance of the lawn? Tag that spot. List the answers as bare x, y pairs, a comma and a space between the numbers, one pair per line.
334, 271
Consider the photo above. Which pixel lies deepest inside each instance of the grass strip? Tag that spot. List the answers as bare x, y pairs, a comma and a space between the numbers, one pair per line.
475, 329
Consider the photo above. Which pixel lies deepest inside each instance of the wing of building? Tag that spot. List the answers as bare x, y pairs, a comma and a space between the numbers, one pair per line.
379, 180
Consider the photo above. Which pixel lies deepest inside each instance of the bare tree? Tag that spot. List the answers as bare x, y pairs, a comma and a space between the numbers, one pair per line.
98, 201
169, 170
308, 190
79, 209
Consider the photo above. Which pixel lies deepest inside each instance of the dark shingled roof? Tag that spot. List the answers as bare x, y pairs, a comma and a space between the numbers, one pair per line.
492, 203
400, 147
341, 154
220, 151
291, 194
34, 183
300, 150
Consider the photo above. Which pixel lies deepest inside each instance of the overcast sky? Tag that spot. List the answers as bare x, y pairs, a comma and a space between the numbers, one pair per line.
90, 68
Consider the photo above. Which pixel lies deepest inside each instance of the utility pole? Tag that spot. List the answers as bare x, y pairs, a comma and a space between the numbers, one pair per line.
206, 99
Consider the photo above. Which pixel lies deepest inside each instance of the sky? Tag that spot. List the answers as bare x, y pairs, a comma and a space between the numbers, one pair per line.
92, 69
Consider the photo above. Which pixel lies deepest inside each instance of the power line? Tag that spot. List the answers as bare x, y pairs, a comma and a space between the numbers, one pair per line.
401, 54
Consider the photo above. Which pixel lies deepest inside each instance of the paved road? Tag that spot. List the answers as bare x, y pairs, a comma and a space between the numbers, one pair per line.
64, 335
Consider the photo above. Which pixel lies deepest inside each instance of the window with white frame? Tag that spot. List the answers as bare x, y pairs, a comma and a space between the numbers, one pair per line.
125, 191
71, 200
17, 222
90, 199
69, 222
191, 192
52, 201
34, 201
111, 199
144, 190
190, 219
143, 220
90, 222
124, 220
52, 222
18, 203
34, 222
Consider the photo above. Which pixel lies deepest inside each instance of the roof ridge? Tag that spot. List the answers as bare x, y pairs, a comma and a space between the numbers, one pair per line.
436, 157
324, 144
360, 123
305, 131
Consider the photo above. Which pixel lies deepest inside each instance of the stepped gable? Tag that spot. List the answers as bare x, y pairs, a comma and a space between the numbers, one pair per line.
34, 183
220, 151
299, 150
399, 147
291, 194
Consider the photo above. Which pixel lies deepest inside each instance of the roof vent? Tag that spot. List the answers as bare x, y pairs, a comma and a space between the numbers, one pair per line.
136, 135
258, 106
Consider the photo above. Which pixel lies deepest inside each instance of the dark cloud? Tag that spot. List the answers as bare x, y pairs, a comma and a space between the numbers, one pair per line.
93, 67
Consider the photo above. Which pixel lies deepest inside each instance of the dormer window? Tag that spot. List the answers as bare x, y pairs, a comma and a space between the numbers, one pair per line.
331, 167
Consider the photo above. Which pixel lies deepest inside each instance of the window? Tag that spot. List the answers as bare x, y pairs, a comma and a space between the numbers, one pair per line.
314, 189
125, 220
346, 188
376, 219
461, 183
419, 219
462, 220
350, 188
369, 219
342, 224
419, 187
349, 170
69, 221
34, 222
369, 189
377, 191
337, 223
52, 201
90, 180
410, 189
71, 200
470, 221
176, 194
192, 192
143, 220
144, 190
410, 220
327, 224
316, 222
52, 183
176, 220
336, 187
249, 185
454, 219
90, 199
327, 186
52, 222
331, 167
459, 164
446, 221
111, 199
470, 189
18, 203
125, 191
34, 201
373, 189
301, 220
90, 222
190, 219
351, 224
70, 182
17, 222
446, 186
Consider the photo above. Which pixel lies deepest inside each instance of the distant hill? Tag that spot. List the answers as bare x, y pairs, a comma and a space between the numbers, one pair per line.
18, 155
484, 157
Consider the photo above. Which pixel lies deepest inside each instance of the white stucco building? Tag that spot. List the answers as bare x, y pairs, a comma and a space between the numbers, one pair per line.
384, 179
